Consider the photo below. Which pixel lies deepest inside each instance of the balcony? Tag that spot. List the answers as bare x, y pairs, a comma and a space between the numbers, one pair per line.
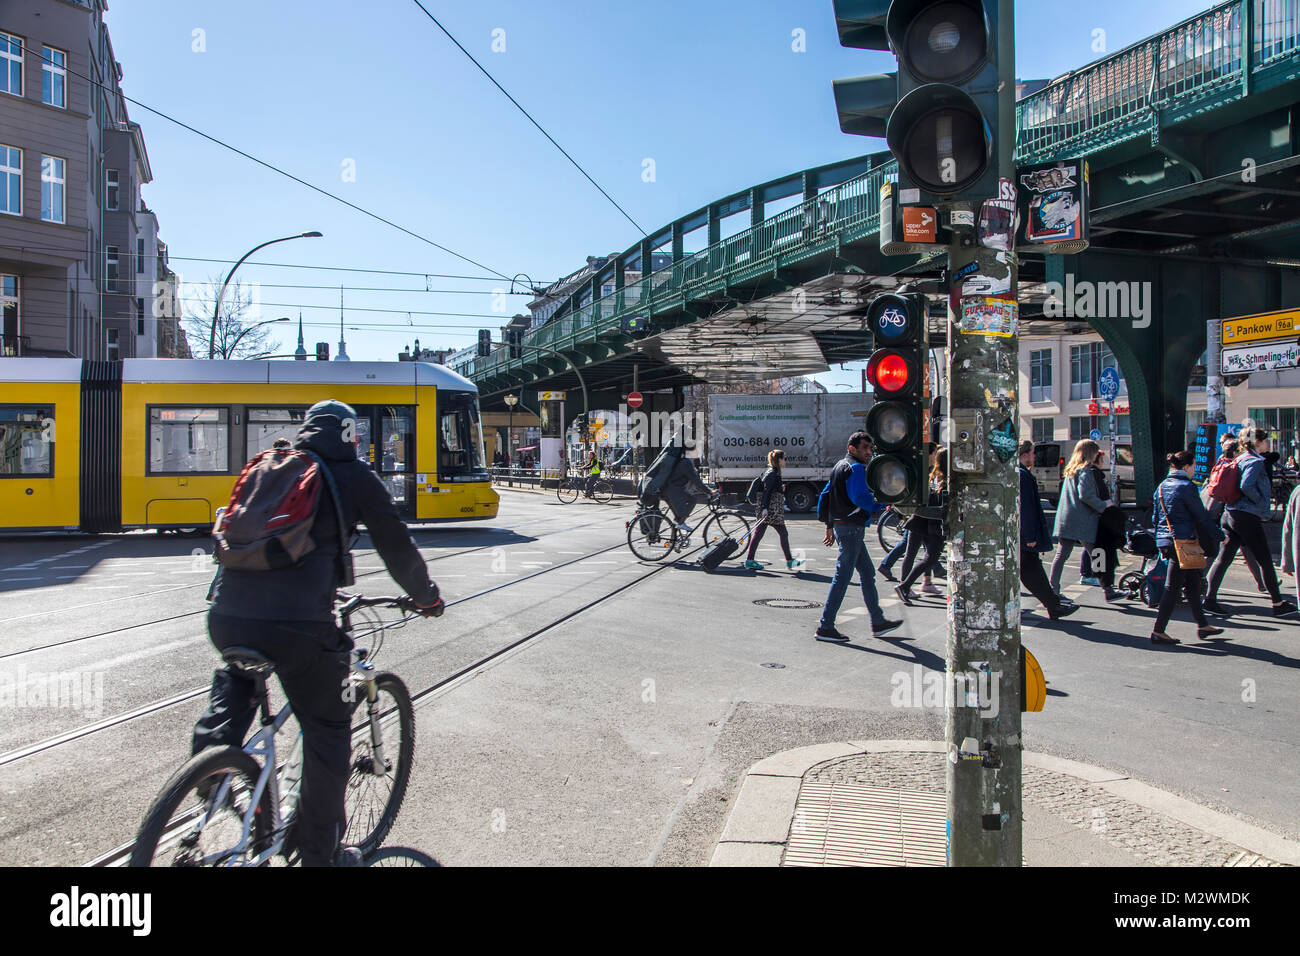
15, 346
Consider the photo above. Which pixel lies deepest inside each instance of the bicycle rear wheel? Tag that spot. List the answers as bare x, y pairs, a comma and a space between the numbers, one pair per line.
183, 828
726, 524
401, 856
889, 529
651, 535
603, 492
568, 491
382, 751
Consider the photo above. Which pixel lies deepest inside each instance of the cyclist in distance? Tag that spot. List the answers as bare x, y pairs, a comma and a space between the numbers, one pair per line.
288, 616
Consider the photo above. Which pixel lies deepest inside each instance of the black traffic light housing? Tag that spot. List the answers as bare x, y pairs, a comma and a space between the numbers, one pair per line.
484, 343
899, 420
941, 119
514, 342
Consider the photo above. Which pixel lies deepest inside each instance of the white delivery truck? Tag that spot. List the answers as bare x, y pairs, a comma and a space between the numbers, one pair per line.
812, 429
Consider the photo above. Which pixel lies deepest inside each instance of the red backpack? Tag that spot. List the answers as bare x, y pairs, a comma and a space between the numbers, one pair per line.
267, 523
1225, 481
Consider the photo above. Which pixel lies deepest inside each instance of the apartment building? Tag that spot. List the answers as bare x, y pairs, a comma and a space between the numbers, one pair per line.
79, 250
1059, 398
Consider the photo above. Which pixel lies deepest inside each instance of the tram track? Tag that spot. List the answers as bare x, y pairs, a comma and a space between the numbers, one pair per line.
189, 614
119, 855
117, 720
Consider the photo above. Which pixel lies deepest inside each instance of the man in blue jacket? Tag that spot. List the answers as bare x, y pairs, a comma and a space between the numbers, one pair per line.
846, 505
1036, 539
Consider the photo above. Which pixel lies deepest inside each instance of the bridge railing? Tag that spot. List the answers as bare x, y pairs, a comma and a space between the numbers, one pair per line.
1200, 58
854, 204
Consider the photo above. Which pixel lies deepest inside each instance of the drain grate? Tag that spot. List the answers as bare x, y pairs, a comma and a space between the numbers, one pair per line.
842, 824
786, 604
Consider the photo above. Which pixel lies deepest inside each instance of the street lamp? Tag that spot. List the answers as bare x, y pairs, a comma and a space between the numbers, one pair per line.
511, 401
283, 318
216, 309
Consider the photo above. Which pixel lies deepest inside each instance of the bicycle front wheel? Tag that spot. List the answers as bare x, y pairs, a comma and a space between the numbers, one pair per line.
651, 536
383, 747
603, 492
568, 491
889, 530
726, 524
198, 818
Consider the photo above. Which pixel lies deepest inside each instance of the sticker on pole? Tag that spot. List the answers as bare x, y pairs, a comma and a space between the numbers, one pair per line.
985, 316
1003, 441
920, 224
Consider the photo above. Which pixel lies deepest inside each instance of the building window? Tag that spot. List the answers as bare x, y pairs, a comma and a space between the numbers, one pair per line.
1082, 427
53, 189
110, 264
112, 347
189, 440
11, 64
9, 331
139, 316
111, 188
1086, 363
1040, 376
26, 442
1044, 429
11, 180
54, 77
139, 257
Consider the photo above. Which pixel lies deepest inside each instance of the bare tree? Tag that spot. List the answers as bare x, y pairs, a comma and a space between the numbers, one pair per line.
238, 335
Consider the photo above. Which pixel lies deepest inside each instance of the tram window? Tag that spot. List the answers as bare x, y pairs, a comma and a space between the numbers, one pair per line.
189, 440
394, 456
460, 438
265, 425
27, 442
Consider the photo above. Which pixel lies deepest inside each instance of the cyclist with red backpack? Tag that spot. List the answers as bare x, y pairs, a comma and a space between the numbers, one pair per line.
283, 546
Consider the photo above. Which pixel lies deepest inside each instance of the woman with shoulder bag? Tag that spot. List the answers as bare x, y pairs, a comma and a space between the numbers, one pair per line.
927, 533
1079, 511
771, 512
1181, 521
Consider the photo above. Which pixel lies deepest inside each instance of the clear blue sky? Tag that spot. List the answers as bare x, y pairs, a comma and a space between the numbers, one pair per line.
711, 91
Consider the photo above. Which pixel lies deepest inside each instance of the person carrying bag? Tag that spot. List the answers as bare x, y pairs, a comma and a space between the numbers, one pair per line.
1180, 519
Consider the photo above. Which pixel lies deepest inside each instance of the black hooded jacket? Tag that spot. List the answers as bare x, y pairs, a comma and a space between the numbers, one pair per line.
305, 592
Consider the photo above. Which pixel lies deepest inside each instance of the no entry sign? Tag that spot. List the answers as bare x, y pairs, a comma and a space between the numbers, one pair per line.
634, 399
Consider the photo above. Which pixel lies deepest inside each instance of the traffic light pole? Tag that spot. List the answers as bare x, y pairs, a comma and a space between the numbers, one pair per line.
984, 805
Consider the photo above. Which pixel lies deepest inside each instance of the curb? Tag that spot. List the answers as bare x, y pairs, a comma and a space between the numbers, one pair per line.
758, 825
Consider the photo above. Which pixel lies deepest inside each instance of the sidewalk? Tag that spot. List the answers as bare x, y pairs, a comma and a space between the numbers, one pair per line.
881, 803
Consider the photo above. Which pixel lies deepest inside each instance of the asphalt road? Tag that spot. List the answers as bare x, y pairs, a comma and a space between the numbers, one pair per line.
619, 735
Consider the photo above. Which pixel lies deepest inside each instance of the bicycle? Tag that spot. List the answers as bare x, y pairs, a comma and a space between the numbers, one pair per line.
653, 535
889, 528
572, 486
243, 812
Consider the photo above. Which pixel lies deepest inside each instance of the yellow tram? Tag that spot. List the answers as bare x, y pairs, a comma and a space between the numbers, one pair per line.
157, 443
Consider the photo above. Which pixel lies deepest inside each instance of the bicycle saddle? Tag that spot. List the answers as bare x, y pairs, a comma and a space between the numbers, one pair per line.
248, 660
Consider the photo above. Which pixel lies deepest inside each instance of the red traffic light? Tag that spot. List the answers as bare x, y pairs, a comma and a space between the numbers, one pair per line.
889, 371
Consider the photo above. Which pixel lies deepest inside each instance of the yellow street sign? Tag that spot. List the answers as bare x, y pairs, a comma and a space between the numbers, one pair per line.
1256, 328
1033, 685
550, 396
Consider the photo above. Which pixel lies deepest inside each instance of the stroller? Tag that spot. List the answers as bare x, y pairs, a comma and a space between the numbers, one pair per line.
1148, 583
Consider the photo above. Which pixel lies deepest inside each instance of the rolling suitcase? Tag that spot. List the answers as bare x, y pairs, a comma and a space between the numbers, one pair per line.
719, 553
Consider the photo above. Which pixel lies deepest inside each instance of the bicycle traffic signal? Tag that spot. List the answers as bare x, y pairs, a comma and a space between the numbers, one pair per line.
899, 373
940, 113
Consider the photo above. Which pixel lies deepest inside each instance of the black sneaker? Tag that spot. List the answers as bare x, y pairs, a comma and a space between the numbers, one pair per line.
887, 574
1283, 609
830, 634
1214, 607
1063, 610
884, 627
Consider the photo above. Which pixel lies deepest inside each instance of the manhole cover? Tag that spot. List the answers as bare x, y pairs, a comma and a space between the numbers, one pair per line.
787, 604
778, 667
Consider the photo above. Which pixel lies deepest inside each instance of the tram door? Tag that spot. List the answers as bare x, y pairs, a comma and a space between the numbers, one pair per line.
386, 440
